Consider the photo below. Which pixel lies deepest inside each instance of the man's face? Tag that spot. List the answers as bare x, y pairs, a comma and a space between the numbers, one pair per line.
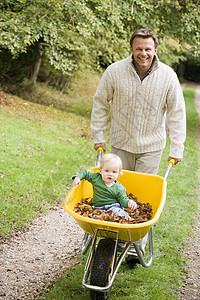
143, 50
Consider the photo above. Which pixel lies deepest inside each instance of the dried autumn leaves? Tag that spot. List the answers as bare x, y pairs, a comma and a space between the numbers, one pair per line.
143, 212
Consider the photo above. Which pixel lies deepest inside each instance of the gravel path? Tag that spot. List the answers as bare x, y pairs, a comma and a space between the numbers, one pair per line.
31, 260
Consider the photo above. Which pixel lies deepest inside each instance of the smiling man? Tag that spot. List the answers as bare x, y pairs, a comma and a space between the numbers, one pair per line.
144, 95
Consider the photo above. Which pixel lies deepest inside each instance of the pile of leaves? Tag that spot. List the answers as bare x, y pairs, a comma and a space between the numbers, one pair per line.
142, 213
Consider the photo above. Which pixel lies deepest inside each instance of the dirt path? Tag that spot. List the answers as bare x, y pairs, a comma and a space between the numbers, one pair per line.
31, 260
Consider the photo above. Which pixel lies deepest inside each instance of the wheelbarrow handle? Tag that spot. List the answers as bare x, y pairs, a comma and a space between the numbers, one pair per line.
99, 155
171, 164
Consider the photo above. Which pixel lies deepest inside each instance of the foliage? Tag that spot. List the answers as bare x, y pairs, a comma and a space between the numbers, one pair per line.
93, 32
176, 23
58, 25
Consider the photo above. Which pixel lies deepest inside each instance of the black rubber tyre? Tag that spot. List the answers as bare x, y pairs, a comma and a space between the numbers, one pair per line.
101, 268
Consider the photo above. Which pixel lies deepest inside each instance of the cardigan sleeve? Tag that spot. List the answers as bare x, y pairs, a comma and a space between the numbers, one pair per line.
101, 107
176, 118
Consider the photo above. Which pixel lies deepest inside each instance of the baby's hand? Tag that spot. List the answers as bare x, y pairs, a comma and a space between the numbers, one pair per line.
132, 204
76, 181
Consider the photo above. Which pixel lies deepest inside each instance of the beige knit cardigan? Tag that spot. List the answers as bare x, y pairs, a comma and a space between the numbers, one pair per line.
140, 109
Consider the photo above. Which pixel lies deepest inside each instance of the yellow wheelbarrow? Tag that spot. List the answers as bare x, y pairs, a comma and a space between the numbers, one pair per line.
104, 259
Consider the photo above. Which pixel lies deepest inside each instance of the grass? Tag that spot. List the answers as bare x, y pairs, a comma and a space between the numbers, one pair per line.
42, 147
163, 279
77, 100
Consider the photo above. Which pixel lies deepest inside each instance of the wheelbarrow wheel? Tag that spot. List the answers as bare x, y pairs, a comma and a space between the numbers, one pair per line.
101, 268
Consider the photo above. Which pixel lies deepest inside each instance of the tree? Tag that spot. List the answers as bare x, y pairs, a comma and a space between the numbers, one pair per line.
60, 28
67, 33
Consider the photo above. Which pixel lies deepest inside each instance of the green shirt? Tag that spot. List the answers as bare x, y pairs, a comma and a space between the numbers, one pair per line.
102, 194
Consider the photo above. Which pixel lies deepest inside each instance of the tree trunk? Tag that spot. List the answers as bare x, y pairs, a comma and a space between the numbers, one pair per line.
36, 67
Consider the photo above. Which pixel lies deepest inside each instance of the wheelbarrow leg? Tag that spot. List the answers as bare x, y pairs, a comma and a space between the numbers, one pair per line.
139, 258
86, 243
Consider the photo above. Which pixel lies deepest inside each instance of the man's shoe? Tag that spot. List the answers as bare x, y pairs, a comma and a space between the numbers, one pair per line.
132, 260
120, 246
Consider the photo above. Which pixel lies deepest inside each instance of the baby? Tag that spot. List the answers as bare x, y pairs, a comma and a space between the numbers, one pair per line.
108, 193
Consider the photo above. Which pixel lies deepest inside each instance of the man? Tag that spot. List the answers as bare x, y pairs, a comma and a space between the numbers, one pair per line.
144, 95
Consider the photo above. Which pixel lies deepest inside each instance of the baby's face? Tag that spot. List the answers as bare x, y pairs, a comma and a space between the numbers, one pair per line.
109, 173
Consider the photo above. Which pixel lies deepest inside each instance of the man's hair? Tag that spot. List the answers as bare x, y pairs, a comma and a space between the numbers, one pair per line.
144, 33
111, 158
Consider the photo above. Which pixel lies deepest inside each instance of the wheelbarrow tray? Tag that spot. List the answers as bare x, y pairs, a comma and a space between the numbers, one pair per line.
147, 188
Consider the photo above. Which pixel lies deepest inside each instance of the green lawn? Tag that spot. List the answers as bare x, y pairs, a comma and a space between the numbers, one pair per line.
41, 148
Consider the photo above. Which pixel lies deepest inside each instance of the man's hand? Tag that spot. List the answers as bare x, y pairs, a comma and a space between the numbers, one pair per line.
103, 145
176, 160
